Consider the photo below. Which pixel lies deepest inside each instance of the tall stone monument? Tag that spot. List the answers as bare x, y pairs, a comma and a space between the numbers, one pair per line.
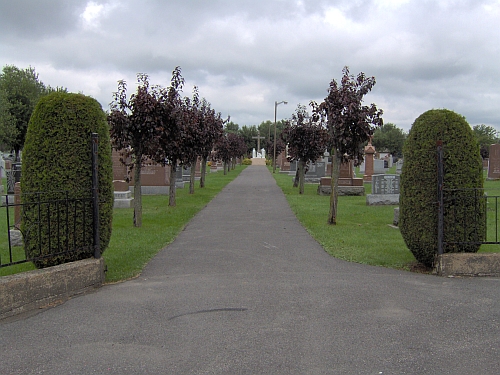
369, 157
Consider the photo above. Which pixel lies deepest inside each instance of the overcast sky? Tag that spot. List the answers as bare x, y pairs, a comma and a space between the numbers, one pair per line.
246, 54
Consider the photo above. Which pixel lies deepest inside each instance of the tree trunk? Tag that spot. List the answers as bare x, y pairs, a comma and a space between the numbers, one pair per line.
224, 165
302, 176
332, 216
137, 192
171, 198
203, 171
296, 179
191, 177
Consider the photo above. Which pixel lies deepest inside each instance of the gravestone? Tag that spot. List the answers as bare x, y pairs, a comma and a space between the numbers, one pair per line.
369, 159
379, 166
494, 162
122, 194
179, 177
315, 172
186, 174
155, 178
348, 184
385, 190
119, 169
284, 163
399, 166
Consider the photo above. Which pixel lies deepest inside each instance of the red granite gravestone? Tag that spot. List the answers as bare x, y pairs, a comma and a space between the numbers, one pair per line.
494, 162
369, 156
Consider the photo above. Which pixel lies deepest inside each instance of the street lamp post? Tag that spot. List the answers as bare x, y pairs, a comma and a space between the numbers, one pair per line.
274, 151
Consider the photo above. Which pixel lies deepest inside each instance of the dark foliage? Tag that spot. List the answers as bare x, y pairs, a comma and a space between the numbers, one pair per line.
306, 138
418, 218
133, 129
228, 148
202, 128
350, 123
57, 159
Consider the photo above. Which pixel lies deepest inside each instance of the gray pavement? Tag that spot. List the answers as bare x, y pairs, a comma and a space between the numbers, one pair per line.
244, 289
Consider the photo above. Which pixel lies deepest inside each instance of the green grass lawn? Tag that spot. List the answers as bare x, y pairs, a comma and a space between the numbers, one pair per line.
131, 248
363, 234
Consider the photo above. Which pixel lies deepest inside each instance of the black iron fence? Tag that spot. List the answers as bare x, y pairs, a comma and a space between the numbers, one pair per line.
46, 225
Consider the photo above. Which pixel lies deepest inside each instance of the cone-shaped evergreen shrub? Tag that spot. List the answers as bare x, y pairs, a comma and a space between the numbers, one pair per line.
56, 168
419, 193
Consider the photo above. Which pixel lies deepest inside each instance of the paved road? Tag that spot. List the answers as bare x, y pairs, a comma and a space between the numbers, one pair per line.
245, 290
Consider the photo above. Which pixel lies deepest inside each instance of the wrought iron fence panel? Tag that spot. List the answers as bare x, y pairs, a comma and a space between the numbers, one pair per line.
50, 224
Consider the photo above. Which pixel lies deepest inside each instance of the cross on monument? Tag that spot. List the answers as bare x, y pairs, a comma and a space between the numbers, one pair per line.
258, 138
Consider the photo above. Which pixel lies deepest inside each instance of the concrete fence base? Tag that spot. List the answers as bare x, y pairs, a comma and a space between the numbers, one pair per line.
468, 264
37, 289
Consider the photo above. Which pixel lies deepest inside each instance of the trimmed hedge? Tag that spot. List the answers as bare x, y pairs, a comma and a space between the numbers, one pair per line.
418, 220
57, 164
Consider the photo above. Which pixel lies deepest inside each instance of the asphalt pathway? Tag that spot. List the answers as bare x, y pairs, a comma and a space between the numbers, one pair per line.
244, 289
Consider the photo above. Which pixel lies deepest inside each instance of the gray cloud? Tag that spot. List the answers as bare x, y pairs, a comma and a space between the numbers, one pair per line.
37, 19
244, 55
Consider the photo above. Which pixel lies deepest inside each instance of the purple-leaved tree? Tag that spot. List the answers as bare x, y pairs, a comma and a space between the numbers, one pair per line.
350, 123
132, 127
307, 139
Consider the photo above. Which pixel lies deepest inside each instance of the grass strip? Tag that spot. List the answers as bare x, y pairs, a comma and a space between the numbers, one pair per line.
363, 234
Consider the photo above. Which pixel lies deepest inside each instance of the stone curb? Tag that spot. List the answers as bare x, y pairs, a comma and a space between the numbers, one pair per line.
468, 264
37, 289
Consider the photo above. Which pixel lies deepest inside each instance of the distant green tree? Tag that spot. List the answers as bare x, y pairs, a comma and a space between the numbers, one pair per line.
486, 136
231, 127
20, 90
247, 132
391, 138
266, 129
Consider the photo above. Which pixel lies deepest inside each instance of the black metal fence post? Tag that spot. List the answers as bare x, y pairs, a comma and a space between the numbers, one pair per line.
95, 196
440, 186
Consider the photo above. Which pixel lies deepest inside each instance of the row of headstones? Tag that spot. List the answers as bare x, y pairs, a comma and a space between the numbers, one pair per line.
155, 179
